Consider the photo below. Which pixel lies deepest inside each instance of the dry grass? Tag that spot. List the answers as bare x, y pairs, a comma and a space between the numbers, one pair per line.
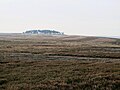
59, 63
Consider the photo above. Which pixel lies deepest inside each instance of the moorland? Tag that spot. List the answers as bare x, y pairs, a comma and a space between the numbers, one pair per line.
63, 62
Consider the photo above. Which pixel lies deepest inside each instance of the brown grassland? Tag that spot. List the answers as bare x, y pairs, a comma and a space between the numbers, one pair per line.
36, 62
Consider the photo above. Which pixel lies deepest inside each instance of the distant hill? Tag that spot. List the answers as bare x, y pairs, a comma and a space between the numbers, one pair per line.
44, 32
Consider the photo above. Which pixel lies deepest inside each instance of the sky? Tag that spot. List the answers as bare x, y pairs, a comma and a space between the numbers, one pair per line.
73, 17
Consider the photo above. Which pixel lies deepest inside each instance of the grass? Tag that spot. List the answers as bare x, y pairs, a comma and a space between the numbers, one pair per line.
59, 63
60, 75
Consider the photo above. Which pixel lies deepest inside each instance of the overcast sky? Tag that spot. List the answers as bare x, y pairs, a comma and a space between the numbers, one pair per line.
80, 17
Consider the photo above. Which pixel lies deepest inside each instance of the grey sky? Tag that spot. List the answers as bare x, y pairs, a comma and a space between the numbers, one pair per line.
81, 17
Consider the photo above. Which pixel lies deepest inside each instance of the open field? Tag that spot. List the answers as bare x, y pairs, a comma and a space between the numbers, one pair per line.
34, 62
